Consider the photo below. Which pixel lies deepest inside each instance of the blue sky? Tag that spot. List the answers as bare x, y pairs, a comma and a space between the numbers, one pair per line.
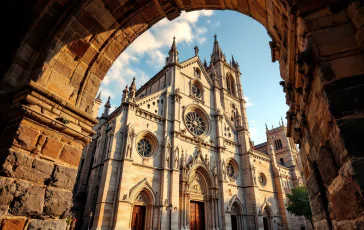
238, 35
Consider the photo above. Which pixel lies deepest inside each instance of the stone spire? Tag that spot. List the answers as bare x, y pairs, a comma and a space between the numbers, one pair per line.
213, 75
213, 72
216, 52
234, 63
173, 53
124, 98
132, 90
282, 121
205, 64
107, 107
98, 98
96, 107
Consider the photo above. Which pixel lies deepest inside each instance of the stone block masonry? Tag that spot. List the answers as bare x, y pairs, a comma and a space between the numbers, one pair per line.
40, 153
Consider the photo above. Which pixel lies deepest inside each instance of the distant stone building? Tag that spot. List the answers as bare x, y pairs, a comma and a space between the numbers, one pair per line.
176, 154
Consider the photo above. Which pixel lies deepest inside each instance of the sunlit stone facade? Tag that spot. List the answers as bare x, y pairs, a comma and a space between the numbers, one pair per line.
177, 154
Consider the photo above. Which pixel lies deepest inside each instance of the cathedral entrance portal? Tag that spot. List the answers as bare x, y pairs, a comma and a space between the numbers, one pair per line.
138, 220
234, 222
197, 221
265, 223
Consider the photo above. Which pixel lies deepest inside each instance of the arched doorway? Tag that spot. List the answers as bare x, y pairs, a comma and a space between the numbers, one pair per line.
236, 217
142, 208
139, 211
199, 206
267, 218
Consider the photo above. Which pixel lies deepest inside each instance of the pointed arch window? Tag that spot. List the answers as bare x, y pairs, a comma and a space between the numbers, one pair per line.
282, 161
197, 72
278, 144
230, 84
197, 90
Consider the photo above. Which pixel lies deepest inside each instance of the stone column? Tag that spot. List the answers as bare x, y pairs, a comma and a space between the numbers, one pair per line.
41, 146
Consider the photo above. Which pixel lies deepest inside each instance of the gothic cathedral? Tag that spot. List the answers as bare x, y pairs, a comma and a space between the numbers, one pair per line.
176, 154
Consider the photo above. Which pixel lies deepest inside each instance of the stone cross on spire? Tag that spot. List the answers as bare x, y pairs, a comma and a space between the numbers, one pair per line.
196, 50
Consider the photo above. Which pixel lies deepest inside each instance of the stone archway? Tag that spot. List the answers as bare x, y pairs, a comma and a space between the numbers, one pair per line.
198, 185
267, 218
56, 60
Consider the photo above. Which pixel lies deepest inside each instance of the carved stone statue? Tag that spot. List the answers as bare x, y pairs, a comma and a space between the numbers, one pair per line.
253, 174
176, 162
215, 170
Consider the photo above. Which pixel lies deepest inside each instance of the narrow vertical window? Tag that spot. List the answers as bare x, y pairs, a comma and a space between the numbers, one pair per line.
282, 161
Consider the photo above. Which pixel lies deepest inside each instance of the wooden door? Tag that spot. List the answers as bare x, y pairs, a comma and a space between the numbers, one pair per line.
266, 223
234, 223
197, 221
138, 219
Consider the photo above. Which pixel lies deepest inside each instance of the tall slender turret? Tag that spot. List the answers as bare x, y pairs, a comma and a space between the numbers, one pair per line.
173, 53
97, 103
124, 98
132, 91
107, 107
217, 54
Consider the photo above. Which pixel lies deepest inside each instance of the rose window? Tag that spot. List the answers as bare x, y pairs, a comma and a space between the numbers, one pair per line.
262, 180
144, 147
196, 91
195, 123
230, 170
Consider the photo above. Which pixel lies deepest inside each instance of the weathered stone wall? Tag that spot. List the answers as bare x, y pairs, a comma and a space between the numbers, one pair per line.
326, 112
39, 159
66, 47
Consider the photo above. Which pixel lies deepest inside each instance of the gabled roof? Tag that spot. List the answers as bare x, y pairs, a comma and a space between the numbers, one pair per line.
200, 64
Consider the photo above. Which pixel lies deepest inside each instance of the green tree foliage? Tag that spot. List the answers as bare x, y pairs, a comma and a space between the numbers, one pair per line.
299, 204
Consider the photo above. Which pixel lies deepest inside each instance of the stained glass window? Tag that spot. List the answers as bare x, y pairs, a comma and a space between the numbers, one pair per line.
195, 123
230, 170
144, 147
196, 91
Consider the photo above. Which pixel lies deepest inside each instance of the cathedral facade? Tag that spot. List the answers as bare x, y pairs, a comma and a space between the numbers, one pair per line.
176, 154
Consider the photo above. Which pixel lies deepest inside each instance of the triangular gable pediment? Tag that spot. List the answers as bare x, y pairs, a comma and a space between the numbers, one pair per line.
197, 60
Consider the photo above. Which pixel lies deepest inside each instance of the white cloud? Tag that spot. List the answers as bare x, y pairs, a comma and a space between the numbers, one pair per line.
216, 24
208, 21
248, 102
150, 47
253, 132
156, 59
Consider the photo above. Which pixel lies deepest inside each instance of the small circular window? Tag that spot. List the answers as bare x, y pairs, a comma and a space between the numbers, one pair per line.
230, 170
262, 179
195, 123
196, 91
144, 147
146, 144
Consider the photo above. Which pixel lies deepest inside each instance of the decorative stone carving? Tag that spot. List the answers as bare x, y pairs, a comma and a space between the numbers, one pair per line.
215, 170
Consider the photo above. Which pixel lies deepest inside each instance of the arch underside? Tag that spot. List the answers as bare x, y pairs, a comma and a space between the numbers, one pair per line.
60, 51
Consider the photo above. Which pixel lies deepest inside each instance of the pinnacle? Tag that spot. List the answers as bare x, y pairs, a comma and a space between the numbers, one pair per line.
99, 96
